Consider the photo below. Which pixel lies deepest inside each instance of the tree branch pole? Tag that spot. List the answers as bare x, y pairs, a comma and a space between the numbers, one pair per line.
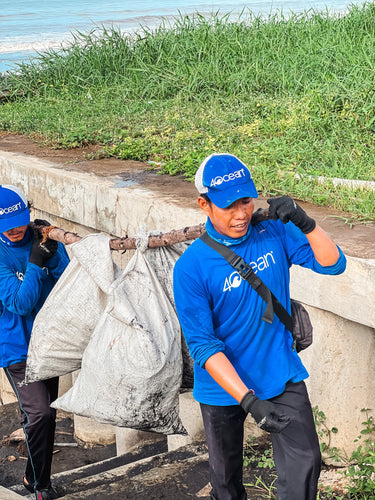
154, 241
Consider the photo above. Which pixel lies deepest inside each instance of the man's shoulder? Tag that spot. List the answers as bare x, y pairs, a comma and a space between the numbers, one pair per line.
192, 251
193, 257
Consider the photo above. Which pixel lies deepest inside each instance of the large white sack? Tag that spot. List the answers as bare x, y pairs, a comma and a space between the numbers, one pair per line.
162, 261
63, 327
132, 367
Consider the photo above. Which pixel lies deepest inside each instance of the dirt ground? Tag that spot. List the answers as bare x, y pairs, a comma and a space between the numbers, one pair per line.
181, 481
13, 454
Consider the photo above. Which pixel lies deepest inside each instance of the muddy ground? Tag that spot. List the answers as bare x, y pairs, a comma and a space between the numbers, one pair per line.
183, 481
13, 454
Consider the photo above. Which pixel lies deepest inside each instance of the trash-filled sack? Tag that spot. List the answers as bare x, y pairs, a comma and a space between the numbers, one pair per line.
63, 327
132, 366
162, 261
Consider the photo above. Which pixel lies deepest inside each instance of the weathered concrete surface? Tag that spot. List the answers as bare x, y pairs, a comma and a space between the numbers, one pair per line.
6, 494
144, 474
341, 364
6, 391
191, 418
118, 197
180, 474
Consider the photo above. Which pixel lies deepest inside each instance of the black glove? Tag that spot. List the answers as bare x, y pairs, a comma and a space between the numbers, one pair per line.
265, 413
286, 209
41, 222
40, 253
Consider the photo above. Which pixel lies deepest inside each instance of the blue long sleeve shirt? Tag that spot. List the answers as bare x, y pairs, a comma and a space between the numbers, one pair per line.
24, 288
220, 312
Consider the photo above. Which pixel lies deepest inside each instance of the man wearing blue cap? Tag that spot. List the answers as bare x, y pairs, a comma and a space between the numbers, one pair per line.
28, 272
243, 364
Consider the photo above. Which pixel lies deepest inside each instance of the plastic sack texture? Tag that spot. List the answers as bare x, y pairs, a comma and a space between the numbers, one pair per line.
63, 327
132, 367
162, 261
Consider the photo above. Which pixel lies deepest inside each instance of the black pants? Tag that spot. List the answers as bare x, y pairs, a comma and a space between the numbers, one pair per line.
296, 448
38, 421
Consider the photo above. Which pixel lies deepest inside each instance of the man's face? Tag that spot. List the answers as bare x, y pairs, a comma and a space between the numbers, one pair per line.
16, 234
232, 221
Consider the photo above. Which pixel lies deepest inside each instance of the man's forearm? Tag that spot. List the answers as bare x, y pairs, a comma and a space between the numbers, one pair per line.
224, 373
325, 250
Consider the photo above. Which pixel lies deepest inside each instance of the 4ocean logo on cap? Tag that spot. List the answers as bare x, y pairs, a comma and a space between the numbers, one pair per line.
9, 210
14, 211
216, 181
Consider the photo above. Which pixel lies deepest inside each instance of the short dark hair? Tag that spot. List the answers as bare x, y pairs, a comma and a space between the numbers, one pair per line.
205, 197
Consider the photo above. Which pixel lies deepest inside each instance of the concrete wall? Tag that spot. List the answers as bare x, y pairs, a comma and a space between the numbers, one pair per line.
340, 362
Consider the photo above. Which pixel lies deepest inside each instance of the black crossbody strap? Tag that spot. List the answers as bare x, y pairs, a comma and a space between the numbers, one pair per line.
247, 273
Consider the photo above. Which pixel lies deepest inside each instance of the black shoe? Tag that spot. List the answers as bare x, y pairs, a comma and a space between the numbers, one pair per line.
28, 485
46, 494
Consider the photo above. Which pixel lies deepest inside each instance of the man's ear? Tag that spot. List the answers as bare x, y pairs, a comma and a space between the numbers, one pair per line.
204, 205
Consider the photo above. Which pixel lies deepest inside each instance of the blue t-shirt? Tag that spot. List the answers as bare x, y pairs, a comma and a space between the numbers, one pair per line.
24, 288
220, 312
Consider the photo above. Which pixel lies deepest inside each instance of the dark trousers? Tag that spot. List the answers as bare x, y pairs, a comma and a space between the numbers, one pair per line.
296, 448
38, 421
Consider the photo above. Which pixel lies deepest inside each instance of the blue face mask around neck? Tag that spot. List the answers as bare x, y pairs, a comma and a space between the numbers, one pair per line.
225, 240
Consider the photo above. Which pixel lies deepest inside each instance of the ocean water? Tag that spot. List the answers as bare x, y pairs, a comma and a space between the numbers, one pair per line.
31, 26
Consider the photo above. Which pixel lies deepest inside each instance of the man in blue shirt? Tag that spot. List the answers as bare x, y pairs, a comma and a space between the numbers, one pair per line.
28, 271
243, 364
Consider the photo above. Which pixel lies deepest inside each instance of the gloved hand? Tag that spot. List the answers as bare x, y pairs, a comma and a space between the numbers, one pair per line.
286, 209
265, 413
41, 222
40, 253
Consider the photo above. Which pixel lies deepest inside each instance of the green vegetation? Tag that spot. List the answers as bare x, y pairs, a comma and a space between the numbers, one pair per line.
292, 96
325, 436
360, 464
358, 467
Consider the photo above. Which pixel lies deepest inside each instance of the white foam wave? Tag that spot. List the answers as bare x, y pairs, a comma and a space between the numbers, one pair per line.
29, 47
45, 41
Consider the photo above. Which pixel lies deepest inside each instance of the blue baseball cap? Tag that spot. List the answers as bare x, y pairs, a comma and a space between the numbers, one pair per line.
224, 179
14, 210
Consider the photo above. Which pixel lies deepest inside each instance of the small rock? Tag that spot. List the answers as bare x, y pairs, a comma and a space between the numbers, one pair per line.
335, 480
16, 437
204, 492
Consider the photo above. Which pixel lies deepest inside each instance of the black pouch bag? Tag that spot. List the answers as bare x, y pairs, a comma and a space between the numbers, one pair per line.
302, 329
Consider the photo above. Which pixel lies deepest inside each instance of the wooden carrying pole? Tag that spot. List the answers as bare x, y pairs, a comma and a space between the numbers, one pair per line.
159, 240
154, 241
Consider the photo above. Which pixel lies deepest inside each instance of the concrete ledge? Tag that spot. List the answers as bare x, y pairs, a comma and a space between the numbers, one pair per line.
6, 494
91, 201
341, 364
133, 480
124, 480
350, 295
191, 419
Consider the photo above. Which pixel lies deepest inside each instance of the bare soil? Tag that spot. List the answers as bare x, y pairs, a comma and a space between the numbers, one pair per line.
175, 479
13, 455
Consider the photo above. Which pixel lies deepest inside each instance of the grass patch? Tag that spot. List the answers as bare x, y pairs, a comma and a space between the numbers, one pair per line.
288, 95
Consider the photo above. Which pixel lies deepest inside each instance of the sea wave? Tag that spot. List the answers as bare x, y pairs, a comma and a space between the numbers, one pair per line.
13, 47
45, 41
27, 32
